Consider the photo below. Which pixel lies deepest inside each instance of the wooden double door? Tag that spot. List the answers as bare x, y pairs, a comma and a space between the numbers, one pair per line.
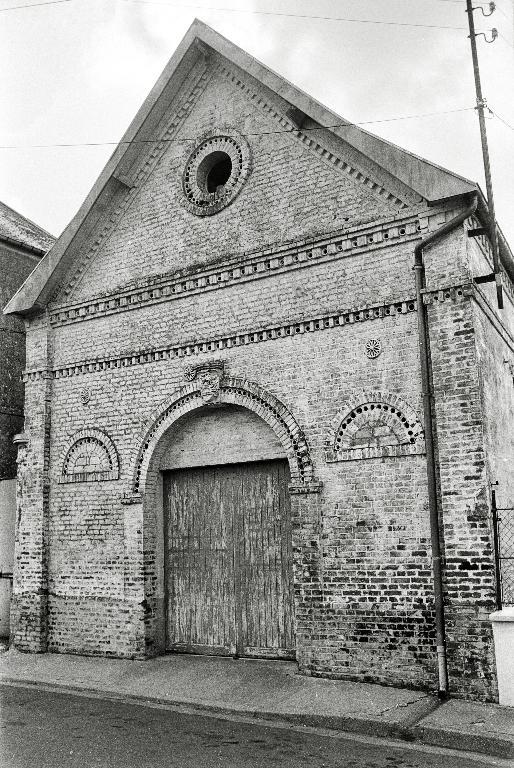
228, 560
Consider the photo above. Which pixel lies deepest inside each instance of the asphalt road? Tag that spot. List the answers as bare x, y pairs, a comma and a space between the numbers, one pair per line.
43, 729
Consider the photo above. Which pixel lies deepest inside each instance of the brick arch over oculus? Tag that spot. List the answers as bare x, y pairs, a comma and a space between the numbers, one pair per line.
375, 424
233, 391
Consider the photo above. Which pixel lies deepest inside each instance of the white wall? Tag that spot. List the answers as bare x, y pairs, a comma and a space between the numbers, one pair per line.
7, 525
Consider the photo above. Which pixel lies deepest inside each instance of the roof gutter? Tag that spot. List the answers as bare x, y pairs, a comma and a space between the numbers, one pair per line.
429, 425
11, 241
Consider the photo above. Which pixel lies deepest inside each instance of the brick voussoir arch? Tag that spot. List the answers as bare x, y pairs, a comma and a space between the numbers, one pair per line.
82, 441
365, 409
233, 391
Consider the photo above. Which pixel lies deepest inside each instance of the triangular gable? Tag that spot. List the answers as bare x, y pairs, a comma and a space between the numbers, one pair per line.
424, 179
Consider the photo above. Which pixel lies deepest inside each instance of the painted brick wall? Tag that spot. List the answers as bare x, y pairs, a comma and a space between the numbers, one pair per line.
363, 600
310, 376
368, 613
469, 577
29, 606
352, 281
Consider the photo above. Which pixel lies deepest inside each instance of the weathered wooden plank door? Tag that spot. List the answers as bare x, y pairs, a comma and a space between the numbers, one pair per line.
228, 560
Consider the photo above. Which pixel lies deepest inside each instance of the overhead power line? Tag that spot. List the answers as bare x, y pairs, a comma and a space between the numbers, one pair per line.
33, 5
505, 39
502, 120
271, 13
260, 133
297, 15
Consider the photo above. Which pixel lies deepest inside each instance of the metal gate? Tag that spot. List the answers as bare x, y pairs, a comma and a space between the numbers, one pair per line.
503, 531
228, 560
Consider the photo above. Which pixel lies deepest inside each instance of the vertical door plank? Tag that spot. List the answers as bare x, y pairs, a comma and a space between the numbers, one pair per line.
199, 574
266, 560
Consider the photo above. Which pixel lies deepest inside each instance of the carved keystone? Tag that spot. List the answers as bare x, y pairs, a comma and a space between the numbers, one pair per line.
208, 376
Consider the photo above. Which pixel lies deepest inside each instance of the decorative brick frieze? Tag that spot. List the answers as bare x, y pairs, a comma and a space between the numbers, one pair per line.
38, 373
374, 425
314, 142
252, 266
90, 456
140, 357
452, 293
345, 317
373, 452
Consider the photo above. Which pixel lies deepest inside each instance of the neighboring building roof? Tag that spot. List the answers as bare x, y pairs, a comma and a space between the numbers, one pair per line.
18, 230
428, 180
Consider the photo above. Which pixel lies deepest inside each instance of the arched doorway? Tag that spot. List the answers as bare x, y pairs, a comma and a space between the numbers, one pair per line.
228, 583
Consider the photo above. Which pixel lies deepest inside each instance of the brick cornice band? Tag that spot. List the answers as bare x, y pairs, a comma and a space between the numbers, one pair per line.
193, 348
231, 271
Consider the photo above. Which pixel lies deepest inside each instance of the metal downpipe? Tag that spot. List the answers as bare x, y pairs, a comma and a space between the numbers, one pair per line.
427, 393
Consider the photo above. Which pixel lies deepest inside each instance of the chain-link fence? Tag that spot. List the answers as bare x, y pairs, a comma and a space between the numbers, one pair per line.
506, 541
503, 526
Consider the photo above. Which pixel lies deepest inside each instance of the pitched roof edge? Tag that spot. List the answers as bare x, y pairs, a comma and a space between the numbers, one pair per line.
432, 182
29, 295
17, 230
383, 152
21, 246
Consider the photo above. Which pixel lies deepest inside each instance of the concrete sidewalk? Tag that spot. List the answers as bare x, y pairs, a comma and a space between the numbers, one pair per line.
272, 690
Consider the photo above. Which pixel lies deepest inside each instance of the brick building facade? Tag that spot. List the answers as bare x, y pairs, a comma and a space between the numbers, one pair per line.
22, 244
225, 445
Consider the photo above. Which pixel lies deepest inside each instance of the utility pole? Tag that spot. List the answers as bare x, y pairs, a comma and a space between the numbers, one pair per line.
481, 105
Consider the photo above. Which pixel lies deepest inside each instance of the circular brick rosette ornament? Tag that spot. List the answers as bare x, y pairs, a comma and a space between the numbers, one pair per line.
373, 348
215, 172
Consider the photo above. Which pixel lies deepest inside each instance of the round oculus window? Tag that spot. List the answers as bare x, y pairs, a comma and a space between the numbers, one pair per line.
214, 173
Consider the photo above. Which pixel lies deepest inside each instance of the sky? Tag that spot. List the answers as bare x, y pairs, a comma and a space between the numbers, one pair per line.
76, 72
